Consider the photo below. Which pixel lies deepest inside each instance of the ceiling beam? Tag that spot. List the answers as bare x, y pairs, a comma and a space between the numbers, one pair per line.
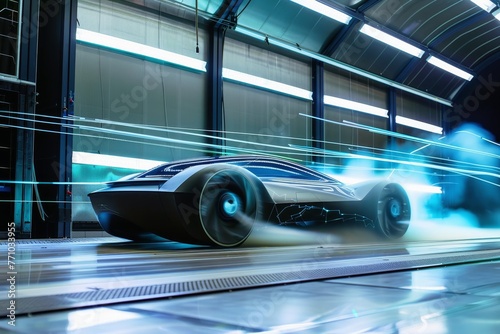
331, 45
226, 13
367, 5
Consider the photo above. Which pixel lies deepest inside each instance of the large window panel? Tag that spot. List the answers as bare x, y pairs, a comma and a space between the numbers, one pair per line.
343, 142
135, 103
264, 122
118, 87
345, 85
132, 24
342, 139
263, 63
419, 109
147, 97
10, 12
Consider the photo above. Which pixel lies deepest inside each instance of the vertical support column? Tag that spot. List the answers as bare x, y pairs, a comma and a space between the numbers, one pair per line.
391, 122
318, 109
215, 98
29, 40
445, 124
67, 94
227, 18
26, 101
23, 194
53, 143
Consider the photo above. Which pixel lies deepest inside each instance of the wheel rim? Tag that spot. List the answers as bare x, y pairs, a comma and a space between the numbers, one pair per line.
394, 212
395, 208
228, 208
229, 205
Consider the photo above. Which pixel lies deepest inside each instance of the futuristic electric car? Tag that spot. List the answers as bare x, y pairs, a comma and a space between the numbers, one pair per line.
217, 201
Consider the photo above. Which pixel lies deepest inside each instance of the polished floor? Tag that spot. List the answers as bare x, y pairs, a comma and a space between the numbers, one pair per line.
106, 285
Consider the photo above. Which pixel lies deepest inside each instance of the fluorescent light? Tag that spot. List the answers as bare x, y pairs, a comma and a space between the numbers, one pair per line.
324, 10
391, 40
449, 68
271, 85
496, 14
344, 66
487, 5
84, 158
98, 39
419, 125
348, 104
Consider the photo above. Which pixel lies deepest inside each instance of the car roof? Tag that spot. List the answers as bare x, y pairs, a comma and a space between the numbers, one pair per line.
261, 166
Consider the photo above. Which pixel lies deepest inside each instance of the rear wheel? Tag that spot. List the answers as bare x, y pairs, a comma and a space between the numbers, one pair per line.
393, 211
228, 207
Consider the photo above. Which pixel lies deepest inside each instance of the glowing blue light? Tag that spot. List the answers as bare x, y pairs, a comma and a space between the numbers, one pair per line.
229, 204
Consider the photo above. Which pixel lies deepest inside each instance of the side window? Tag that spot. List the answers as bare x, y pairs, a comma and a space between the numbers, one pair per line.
281, 171
264, 171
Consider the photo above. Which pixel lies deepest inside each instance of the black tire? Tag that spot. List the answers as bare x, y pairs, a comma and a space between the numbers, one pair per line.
393, 211
228, 207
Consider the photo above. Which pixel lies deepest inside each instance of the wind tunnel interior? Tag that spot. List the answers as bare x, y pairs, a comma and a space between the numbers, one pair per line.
401, 235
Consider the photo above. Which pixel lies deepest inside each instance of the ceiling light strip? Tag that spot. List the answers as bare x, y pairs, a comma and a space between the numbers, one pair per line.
486, 5
449, 68
119, 44
496, 14
418, 124
344, 66
324, 10
352, 105
391, 40
271, 85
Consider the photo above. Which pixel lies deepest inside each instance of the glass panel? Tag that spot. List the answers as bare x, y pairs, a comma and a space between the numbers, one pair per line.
263, 63
9, 36
261, 122
136, 101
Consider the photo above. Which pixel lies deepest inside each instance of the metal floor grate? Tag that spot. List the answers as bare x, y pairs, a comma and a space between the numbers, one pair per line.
329, 269
62, 241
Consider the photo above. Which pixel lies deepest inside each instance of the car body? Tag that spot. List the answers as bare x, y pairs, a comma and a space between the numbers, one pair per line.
218, 200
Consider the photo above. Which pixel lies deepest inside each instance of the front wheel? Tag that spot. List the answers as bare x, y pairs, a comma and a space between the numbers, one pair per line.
228, 207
